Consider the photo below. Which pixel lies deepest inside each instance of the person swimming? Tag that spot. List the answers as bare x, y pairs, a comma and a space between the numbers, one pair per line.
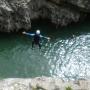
36, 38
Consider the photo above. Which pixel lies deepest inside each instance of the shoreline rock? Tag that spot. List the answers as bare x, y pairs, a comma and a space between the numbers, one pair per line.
43, 83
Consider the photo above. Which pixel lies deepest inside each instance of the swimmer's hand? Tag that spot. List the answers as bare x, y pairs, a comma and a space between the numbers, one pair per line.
48, 38
24, 32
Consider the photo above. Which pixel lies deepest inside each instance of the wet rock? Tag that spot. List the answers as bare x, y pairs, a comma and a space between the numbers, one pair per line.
85, 4
16, 15
61, 15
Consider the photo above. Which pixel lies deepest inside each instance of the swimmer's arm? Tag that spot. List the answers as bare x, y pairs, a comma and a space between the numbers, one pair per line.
30, 34
48, 38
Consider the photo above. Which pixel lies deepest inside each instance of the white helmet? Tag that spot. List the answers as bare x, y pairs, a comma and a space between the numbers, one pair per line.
37, 31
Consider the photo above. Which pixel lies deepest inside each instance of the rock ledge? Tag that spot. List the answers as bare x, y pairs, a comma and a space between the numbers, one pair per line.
43, 83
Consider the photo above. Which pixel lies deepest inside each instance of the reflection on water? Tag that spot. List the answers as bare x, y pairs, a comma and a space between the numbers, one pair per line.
70, 58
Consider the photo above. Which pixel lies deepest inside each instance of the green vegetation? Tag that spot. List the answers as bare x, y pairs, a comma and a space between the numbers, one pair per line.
68, 88
38, 88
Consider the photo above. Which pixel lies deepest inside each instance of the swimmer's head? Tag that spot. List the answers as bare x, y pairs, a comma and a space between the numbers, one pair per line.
38, 31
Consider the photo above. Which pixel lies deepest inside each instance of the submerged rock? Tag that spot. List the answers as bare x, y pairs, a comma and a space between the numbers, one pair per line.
18, 14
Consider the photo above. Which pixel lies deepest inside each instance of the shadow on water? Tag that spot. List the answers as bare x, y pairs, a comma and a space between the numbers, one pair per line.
63, 32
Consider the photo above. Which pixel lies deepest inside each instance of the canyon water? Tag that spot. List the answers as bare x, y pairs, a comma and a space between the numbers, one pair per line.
66, 55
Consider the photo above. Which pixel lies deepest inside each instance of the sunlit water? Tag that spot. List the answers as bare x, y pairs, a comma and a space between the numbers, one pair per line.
67, 55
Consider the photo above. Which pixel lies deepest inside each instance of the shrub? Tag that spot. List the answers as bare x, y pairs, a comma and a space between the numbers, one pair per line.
68, 88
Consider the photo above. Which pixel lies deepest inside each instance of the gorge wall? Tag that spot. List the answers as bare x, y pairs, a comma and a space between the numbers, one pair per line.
16, 15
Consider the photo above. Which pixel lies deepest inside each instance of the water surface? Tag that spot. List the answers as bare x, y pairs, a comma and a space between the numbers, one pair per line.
67, 55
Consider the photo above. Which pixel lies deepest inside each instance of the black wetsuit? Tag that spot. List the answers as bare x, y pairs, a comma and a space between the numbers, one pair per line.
36, 40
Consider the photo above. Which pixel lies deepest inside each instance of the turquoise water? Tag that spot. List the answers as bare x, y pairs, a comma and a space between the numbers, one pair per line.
67, 55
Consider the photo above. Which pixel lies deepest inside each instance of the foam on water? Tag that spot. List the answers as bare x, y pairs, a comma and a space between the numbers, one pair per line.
70, 58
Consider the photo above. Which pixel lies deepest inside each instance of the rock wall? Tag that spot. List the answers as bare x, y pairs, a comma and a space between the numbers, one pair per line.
43, 83
18, 14
85, 4
14, 15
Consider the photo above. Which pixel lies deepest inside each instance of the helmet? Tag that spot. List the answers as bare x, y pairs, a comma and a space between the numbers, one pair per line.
37, 31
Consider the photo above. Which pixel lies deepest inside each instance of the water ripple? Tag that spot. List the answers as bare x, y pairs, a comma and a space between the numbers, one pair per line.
70, 58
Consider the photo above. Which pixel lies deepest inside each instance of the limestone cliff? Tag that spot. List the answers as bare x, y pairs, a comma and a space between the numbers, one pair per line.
18, 14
